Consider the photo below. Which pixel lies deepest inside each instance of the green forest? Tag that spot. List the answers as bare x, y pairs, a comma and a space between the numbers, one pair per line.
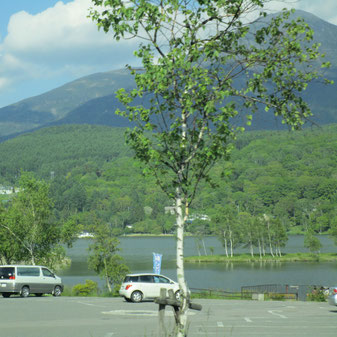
276, 183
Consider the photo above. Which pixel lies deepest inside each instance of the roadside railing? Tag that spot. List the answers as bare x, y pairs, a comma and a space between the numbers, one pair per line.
264, 292
218, 293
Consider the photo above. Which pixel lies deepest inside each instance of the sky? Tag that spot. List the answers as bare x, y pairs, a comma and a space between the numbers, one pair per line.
47, 43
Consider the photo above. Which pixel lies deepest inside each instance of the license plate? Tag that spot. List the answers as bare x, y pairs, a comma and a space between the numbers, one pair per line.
3, 285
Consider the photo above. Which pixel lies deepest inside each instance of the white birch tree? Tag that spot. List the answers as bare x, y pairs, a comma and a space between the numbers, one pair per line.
203, 61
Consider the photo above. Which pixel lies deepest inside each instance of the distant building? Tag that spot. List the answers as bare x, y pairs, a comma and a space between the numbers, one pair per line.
170, 210
85, 235
199, 217
6, 190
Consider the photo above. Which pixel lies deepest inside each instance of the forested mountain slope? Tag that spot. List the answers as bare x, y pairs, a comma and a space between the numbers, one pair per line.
60, 149
291, 176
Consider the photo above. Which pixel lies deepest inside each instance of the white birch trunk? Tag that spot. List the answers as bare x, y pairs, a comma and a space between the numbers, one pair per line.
260, 248
107, 277
225, 242
231, 242
269, 235
203, 244
263, 247
182, 324
251, 248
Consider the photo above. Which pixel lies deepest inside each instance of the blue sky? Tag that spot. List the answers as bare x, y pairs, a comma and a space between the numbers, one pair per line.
47, 43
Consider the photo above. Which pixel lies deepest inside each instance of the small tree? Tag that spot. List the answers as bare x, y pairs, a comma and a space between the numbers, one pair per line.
10, 248
28, 220
203, 62
280, 236
227, 227
27, 226
312, 242
333, 229
104, 259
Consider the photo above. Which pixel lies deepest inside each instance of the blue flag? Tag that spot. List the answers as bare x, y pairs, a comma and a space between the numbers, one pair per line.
157, 263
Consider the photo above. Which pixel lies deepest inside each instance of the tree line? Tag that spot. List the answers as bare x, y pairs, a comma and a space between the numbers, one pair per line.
287, 176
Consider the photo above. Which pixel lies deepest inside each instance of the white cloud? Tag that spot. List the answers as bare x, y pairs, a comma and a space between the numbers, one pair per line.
326, 11
60, 27
4, 82
59, 40
63, 43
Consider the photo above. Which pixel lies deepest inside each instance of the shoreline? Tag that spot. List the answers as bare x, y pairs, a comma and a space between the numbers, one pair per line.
286, 257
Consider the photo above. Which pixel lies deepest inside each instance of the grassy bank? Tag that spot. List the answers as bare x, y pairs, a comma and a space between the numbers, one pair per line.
296, 257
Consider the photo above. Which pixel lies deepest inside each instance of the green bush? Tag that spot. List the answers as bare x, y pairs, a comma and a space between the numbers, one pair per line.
115, 291
317, 295
89, 288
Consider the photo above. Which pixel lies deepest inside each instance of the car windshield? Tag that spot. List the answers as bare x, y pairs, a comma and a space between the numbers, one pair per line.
161, 279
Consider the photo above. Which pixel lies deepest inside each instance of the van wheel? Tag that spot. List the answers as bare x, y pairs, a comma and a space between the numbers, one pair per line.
57, 291
6, 294
136, 296
25, 291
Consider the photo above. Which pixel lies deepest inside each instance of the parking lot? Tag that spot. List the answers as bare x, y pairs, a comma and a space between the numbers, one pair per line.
110, 317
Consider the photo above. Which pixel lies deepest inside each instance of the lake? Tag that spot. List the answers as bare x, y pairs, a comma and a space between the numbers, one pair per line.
137, 252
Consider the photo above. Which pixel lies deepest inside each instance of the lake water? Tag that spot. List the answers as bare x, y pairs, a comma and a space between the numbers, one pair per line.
137, 252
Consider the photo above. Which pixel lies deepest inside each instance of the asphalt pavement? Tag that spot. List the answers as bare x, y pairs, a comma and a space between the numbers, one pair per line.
111, 317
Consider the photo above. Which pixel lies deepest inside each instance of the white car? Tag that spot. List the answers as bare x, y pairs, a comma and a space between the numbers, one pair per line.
139, 287
332, 297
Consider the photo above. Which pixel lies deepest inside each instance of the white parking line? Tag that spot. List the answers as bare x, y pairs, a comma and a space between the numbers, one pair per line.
91, 305
220, 325
248, 320
148, 313
275, 312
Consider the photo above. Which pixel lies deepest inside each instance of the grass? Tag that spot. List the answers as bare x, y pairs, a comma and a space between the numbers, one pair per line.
291, 257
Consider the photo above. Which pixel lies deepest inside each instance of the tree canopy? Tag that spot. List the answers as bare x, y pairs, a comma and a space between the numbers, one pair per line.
203, 61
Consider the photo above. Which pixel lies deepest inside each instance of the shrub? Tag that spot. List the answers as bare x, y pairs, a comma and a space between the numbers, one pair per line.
89, 288
317, 295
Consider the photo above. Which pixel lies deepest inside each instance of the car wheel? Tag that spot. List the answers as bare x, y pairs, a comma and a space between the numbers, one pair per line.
136, 296
177, 295
57, 291
6, 295
38, 294
25, 291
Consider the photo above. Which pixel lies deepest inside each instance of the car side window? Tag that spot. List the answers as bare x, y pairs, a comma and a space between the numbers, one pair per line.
46, 272
162, 279
146, 278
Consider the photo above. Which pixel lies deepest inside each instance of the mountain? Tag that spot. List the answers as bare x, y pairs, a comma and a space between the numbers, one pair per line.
91, 100
55, 104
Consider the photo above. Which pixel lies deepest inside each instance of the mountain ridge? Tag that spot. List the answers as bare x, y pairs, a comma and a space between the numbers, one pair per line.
90, 99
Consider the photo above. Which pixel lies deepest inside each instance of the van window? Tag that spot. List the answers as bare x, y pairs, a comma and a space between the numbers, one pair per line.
28, 271
6, 273
47, 272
